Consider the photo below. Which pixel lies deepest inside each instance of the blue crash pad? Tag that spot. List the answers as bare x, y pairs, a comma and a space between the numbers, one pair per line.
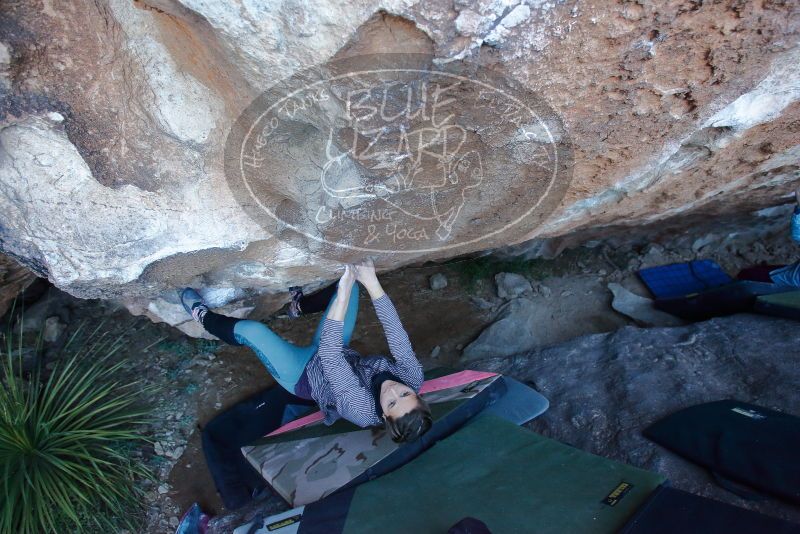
679, 279
520, 404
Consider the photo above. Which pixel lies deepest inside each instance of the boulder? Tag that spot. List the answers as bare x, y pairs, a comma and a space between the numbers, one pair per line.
119, 123
513, 332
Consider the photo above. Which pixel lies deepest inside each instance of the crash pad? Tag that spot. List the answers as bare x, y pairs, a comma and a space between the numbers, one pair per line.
222, 438
307, 463
512, 479
679, 279
740, 442
287, 522
670, 510
780, 305
736, 297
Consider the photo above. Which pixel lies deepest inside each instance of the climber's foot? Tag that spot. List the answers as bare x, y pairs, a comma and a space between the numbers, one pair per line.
193, 304
294, 305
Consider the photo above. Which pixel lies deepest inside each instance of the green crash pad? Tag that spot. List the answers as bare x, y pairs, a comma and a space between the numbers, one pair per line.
512, 479
780, 305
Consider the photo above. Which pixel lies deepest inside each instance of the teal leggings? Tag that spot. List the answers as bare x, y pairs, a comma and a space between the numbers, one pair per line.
284, 360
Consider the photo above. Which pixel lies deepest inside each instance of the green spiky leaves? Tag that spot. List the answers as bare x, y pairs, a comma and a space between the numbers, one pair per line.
65, 442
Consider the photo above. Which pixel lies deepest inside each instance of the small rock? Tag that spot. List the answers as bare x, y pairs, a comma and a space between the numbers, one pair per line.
438, 281
702, 242
640, 309
159, 448
176, 453
162, 489
481, 303
435, 352
174, 522
654, 255
53, 328
511, 285
541, 289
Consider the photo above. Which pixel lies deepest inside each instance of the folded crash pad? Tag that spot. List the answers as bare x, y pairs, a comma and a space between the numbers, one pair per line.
512, 479
736, 297
780, 305
225, 435
670, 510
679, 279
740, 442
307, 462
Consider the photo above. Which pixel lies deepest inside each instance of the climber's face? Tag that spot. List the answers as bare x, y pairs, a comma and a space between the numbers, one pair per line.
397, 399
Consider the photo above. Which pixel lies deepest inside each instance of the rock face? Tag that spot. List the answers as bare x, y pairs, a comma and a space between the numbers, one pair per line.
114, 116
14, 278
514, 331
604, 389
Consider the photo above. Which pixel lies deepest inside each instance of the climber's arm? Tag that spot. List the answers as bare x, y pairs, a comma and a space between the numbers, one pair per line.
337, 371
409, 368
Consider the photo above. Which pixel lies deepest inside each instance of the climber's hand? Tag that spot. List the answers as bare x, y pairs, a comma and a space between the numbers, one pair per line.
365, 272
348, 278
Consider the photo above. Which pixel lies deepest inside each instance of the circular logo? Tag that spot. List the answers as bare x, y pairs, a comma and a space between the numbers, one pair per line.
393, 153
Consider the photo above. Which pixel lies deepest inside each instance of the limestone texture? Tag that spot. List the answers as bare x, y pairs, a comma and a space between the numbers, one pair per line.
114, 116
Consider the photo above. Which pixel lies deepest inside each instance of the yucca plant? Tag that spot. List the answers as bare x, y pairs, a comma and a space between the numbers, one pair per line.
65, 438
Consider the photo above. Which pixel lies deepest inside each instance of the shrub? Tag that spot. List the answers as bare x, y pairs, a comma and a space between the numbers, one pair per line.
65, 442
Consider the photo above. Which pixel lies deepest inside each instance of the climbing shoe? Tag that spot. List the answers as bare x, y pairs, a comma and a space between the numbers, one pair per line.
193, 304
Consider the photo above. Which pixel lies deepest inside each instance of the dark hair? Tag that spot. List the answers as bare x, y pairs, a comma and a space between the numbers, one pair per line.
412, 425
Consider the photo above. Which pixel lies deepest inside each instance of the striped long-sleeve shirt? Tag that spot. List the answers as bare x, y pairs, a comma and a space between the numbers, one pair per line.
339, 378
790, 275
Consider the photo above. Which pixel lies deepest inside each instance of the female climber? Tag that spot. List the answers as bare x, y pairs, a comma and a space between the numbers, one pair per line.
368, 391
